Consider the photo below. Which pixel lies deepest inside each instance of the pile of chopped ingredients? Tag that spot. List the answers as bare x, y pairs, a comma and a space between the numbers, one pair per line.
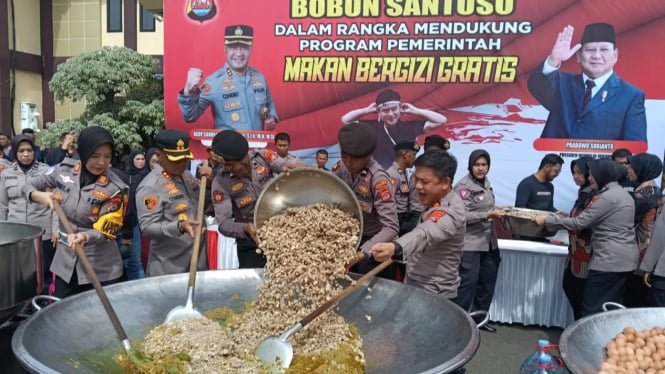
307, 248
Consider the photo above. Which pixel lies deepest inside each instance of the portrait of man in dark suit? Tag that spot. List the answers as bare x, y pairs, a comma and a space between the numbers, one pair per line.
595, 104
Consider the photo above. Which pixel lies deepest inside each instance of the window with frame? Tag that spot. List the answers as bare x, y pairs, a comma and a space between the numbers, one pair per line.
146, 20
114, 15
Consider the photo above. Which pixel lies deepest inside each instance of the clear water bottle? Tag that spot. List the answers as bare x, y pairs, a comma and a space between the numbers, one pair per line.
531, 362
544, 365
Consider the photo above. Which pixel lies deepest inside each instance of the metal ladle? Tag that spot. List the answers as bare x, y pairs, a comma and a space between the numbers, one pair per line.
276, 352
187, 311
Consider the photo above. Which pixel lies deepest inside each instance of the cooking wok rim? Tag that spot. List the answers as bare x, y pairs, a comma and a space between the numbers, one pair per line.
34, 365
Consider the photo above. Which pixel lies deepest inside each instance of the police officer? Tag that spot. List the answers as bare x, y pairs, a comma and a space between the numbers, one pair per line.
372, 187
166, 207
435, 141
15, 208
406, 197
237, 92
481, 258
282, 145
93, 199
238, 186
433, 249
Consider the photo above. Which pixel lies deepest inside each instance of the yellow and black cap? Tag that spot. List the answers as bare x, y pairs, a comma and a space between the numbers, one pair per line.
242, 34
174, 144
407, 146
437, 141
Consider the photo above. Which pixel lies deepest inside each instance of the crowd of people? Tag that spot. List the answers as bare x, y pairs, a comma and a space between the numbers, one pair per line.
142, 221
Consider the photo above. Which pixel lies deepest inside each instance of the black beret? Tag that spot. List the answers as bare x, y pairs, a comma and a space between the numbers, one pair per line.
437, 141
242, 34
599, 32
357, 139
174, 144
386, 96
230, 145
407, 146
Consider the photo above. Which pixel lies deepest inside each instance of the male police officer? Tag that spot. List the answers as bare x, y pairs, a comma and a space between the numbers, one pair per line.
373, 188
166, 204
238, 93
406, 198
237, 187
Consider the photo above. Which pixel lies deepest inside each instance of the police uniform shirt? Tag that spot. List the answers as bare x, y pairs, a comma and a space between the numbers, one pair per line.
374, 191
433, 249
234, 197
610, 215
406, 196
654, 259
15, 207
4, 164
478, 200
238, 101
84, 207
161, 201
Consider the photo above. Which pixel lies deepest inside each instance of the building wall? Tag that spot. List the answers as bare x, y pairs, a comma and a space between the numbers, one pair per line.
28, 89
76, 26
110, 39
150, 43
26, 13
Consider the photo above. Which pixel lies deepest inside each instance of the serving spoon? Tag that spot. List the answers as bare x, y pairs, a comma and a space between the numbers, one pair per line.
276, 352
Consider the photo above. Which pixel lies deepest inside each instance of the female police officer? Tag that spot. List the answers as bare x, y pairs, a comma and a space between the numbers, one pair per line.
15, 208
93, 199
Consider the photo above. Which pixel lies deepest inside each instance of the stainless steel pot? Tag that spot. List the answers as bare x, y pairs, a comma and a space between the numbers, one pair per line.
302, 187
582, 344
411, 330
21, 275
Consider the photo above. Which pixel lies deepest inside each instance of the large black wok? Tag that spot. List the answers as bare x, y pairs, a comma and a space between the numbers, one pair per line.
582, 344
410, 331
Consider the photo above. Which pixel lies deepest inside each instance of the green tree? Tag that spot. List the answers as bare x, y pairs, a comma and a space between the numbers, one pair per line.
121, 91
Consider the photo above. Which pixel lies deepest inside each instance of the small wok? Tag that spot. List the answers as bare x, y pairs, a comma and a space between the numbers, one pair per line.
582, 344
410, 330
519, 222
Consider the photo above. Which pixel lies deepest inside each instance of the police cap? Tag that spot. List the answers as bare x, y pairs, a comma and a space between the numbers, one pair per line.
437, 141
174, 144
357, 139
407, 146
230, 145
242, 34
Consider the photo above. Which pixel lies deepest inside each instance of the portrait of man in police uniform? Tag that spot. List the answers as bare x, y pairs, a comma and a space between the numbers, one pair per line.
238, 93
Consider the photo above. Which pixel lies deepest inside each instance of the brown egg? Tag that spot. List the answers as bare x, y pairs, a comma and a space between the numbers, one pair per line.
629, 330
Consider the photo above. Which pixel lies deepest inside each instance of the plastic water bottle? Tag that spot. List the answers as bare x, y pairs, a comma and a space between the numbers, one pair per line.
531, 362
544, 365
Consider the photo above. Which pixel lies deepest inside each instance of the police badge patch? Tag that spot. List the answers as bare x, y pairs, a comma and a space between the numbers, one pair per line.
150, 202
